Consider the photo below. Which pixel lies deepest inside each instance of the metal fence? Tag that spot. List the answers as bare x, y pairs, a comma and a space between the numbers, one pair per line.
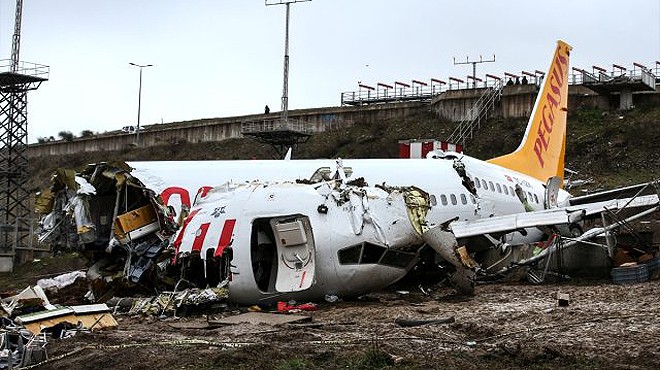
384, 93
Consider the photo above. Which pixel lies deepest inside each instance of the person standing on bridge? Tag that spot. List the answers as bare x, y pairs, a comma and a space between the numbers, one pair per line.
266, 109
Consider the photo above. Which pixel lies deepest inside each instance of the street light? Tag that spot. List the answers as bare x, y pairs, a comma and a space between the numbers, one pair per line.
137, 131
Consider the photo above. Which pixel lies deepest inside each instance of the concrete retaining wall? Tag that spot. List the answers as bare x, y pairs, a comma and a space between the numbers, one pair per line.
218, 129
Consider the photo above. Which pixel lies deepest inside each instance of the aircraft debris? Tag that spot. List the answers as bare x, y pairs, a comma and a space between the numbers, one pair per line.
172, 304
31, 319
90, 317
60, 281
113, 219
31, 299
445, 244
20, 348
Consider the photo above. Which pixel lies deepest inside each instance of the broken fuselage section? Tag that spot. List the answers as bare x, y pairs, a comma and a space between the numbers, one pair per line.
112, 218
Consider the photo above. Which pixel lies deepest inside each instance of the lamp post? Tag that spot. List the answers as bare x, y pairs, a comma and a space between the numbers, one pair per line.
137, 131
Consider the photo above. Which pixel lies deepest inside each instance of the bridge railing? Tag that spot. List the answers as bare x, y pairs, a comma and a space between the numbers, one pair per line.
380, 94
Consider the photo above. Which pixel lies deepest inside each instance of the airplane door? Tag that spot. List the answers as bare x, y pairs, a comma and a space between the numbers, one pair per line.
551, 192
295, 254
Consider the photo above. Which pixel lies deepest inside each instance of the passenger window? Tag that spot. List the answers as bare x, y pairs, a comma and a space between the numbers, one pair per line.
536, 199
483, 182
492, 187
506, 190
476, 183
499, 188
529, 196
463, 199
453, 199
443, 199
474, 200
513, 192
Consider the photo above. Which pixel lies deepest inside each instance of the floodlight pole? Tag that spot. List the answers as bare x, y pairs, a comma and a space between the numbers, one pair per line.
137, 131
285, 85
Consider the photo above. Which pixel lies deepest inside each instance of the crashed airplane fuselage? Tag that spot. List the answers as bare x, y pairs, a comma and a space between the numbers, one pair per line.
350, 239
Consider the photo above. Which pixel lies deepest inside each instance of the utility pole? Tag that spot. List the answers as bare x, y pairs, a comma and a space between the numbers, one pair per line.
137, 131
474, 66
285, 87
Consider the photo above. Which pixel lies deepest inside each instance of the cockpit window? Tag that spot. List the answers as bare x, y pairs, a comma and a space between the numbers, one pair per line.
397, 259
369, 253
350, 255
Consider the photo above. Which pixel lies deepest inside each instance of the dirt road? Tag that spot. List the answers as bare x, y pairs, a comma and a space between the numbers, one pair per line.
502, 326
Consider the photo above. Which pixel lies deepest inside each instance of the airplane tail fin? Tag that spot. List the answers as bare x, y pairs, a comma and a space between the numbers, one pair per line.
541, 152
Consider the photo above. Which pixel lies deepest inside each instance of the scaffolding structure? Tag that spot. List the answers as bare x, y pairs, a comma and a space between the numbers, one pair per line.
15, 221
280, 135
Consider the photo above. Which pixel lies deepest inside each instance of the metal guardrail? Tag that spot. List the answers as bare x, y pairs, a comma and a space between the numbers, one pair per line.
278, 124
648, 77
379, 94
382, 95
25, 68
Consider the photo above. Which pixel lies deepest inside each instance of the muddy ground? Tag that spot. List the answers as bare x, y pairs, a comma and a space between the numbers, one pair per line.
502, 326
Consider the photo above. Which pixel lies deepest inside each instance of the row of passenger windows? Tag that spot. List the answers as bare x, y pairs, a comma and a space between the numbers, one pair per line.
507, 190
454, 200
482, 184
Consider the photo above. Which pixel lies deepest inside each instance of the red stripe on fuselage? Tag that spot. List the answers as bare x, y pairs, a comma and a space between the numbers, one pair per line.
225, 238
199, 237
177, 242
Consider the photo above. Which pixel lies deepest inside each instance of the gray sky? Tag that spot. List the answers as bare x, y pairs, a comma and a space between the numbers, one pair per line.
218, 58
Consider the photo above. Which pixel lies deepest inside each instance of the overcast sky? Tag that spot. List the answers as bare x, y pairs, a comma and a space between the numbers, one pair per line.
219, 58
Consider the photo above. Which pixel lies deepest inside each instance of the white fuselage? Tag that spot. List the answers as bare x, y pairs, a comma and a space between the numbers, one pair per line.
438, 177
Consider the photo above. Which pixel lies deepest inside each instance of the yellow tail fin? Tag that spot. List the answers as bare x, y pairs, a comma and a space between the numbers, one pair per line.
541, 152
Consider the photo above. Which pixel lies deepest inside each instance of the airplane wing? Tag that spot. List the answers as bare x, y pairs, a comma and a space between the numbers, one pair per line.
623, 192
549, 217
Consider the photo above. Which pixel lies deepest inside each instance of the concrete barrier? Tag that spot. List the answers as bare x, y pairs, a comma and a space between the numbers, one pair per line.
218, 129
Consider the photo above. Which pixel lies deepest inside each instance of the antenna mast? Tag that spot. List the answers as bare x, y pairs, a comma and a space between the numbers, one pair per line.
474, 66
16, 39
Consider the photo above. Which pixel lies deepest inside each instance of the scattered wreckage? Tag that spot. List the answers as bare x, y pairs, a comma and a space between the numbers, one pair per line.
268, 242
114, 220
28, 321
